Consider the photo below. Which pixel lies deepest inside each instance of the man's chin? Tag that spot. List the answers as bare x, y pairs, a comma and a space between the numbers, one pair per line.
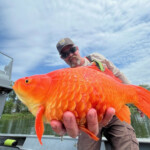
73, 66
74, 62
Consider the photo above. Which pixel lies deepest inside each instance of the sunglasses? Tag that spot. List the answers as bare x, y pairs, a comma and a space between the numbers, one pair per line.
66, 54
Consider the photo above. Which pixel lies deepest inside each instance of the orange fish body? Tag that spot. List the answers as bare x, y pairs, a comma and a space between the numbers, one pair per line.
77, 90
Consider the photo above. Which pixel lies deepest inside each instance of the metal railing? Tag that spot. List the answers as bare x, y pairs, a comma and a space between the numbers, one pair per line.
5, 66
5, 78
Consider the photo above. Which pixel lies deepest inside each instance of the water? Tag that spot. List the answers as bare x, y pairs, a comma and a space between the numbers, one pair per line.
141, 125
26, 126
22, 126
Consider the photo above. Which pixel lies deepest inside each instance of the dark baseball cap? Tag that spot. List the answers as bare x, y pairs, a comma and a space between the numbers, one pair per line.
62, 43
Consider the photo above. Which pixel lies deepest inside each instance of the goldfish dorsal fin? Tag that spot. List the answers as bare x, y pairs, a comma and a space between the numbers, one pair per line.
92, 135
124, 114
39, 126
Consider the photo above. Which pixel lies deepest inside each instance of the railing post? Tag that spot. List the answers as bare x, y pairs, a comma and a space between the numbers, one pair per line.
5, 78
2, 103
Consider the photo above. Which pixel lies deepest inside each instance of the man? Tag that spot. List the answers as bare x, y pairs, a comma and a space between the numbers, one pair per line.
120, 134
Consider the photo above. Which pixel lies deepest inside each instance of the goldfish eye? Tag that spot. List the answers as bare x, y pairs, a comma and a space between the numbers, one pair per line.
27, 81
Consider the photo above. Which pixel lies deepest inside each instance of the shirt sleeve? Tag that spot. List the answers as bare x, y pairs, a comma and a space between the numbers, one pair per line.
110, 66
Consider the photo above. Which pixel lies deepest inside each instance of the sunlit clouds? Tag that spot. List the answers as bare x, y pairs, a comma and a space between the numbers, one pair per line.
119, 30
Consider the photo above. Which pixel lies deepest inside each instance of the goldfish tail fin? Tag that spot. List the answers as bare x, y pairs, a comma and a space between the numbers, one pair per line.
143, 102
39, 126
124, 114
94, 137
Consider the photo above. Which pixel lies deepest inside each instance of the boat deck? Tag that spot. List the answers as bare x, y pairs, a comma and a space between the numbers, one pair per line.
30, 142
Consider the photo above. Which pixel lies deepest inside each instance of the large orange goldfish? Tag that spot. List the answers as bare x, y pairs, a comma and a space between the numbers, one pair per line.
77, 90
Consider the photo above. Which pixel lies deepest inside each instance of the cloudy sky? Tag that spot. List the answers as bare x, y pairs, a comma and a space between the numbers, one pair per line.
117, 29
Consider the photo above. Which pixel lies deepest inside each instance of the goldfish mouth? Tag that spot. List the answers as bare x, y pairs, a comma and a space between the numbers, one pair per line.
15, 86
18, 93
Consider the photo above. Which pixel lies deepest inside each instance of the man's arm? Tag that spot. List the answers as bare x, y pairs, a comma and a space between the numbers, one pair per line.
110, 66
116, 72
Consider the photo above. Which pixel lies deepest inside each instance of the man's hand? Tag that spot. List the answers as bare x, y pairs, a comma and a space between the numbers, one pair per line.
70, 126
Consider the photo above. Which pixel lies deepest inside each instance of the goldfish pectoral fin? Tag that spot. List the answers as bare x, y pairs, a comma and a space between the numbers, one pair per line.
92, 135
39, 125
124, 114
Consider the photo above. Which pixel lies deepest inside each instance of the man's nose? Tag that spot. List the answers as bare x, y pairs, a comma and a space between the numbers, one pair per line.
70, 54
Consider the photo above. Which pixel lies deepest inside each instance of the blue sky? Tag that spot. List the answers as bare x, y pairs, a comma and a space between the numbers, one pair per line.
117, 29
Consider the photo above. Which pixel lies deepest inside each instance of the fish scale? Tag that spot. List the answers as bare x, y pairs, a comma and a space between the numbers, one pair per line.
77, 90
81, 101
81, 87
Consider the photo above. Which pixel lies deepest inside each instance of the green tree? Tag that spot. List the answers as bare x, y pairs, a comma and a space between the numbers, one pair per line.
13, 104
146, 86
8, 106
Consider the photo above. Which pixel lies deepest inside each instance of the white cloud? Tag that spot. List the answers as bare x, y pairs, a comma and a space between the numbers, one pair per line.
118, 29
138, 72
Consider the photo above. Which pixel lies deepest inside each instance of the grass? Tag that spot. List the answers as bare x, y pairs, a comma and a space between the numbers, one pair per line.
29, 115
17, 115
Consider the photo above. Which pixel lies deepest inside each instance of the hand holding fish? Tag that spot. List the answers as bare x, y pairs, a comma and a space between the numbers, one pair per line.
71, 127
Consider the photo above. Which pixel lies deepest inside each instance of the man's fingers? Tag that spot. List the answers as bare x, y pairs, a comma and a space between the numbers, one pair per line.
70, 124
92, 121
110, 112
57, 126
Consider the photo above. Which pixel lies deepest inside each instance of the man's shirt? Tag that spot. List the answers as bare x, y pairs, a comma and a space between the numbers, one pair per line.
108, 64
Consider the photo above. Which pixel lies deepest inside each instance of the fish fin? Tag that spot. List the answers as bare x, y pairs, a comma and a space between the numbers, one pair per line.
39, 125
124, 114
92, 135
143, 100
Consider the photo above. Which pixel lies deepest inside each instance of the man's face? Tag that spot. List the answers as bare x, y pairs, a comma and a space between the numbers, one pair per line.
73, 58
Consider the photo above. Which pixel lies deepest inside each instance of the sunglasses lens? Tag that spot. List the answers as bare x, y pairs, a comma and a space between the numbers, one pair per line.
66, 54
73, 49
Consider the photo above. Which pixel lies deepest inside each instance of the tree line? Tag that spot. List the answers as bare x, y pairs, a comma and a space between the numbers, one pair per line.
14, 105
